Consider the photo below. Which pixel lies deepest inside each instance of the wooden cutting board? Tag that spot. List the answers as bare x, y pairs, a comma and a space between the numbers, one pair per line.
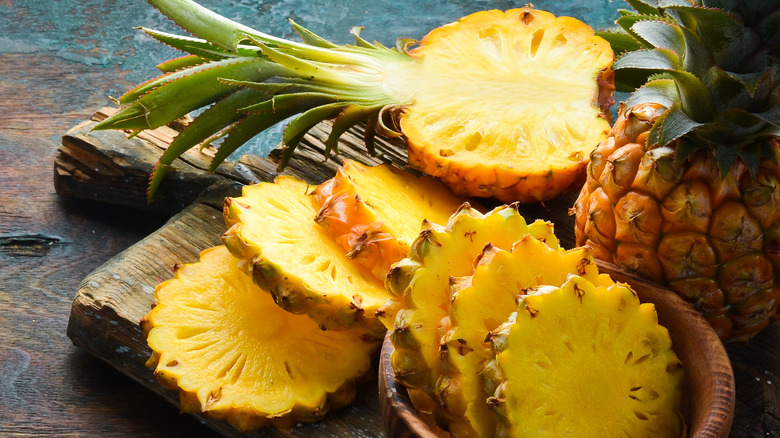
109, 167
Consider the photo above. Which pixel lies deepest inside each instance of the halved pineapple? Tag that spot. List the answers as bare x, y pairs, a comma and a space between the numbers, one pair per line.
376, 212
497, 104
419, 311
507, 103
479, 304
272, 228
233, 354
585, 360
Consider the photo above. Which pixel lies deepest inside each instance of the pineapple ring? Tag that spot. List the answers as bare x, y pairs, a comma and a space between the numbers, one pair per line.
225, 346
483, 301
585, 360
418, 313
375, 212
272, 228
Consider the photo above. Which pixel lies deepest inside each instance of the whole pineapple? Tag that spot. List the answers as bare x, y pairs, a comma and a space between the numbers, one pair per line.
684, 189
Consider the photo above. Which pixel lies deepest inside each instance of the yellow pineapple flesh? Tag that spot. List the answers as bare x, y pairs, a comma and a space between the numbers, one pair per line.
418, 312
584, 360
272, 228
527, 109
480, 303
375, 212
233, 354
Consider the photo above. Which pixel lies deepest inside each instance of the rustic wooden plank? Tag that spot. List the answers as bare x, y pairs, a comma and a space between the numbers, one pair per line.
111, 301
110, 166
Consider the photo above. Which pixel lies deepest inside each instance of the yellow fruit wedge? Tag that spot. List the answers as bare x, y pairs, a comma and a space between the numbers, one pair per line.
233, 354
375, 212
272, 228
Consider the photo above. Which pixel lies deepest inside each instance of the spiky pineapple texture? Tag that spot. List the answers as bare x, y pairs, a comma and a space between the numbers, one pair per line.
716, 71
685, 188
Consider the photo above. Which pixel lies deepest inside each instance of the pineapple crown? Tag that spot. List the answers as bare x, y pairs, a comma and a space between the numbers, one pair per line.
249, 81
714, 65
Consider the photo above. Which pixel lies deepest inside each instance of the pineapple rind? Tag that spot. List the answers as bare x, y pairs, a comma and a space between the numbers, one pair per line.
221, 341
486, 300
272, 229
375, 212
581, 352
707, 237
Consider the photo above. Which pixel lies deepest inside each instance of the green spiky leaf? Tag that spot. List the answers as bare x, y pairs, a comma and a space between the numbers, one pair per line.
181, 63
662, 35
644, 7
152, 109
204, 23
676, 123
729, 41
351, 116
660, 91
619, 40
297, 128
311, 38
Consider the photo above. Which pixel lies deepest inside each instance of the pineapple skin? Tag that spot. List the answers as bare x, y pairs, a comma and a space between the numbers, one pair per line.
714, 241
375, 212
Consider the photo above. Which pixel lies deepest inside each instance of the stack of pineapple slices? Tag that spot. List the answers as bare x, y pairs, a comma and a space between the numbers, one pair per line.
496, 329
277, 325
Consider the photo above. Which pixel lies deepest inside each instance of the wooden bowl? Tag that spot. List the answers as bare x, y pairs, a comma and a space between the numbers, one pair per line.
709, 394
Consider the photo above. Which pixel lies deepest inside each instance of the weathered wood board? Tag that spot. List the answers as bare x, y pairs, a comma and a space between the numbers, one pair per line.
110, 302
107, 167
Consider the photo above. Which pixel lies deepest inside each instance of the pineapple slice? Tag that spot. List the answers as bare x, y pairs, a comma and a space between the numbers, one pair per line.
233, 354
483, 301
418, 312
272, 228
376, 212
585, 360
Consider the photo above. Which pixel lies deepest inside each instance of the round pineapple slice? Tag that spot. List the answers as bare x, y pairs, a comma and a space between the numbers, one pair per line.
483, 301
233, 354
585, 360
272, 228
546, 79
418, 313
376, 212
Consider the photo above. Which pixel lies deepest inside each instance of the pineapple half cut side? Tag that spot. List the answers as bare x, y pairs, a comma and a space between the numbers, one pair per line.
375, 212
482, 301
497, 104
233, 354
272, 229
588, 360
